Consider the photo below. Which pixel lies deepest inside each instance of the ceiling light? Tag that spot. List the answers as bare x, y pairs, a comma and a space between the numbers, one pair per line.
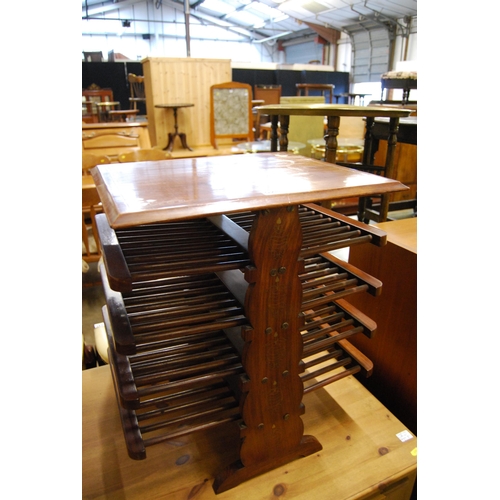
272, 37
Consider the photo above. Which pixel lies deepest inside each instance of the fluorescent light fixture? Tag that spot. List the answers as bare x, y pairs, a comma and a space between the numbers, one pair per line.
272, 37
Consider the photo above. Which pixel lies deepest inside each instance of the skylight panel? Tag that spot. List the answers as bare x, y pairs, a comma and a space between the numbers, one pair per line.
218, 6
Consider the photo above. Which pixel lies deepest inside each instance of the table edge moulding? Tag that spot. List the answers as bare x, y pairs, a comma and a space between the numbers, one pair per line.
247, 227
146, 192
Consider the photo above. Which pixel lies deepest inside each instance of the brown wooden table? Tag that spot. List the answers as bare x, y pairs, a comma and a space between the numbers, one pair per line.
269, 279
281, 113
324, 88
176, 133
362, 457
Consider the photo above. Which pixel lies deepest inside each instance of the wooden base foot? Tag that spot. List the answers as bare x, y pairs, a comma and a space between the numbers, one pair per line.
238, 473
171, 139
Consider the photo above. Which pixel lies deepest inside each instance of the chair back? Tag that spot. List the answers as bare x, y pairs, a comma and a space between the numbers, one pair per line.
137, 92
90, 99
90, 160
231, 112
270, 94
143, 155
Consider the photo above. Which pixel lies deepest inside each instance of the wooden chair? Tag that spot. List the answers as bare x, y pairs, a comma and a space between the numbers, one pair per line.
231, 112
143, 155
270, 94
90, 98
90, 160
137, 92
91, 205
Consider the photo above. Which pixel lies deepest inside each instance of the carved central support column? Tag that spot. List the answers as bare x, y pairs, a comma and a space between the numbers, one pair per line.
271, 401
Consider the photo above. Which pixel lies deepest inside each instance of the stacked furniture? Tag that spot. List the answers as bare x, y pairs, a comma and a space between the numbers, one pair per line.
223, 303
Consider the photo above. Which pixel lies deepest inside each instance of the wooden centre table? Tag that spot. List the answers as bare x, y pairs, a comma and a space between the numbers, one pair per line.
280, 113
230, 254
324, 88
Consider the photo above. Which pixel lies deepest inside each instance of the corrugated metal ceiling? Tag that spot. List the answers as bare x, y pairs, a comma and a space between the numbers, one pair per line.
261, 19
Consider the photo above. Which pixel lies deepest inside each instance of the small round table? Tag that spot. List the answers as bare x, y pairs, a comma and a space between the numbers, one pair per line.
172, 136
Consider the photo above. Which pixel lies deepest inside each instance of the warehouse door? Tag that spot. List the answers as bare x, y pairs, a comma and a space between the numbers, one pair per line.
371, 53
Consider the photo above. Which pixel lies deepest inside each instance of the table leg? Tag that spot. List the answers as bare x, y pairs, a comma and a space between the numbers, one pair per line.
274, 133
171, 137
333, 123
368, 153
283, 136
389, 164
183, 141
170, 144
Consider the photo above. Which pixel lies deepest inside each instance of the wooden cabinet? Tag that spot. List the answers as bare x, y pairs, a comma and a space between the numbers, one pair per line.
394, 348
224, 309
182, 80
111, 139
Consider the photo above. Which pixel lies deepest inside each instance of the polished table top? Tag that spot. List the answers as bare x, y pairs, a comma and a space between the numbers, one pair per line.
155, 191
333, 110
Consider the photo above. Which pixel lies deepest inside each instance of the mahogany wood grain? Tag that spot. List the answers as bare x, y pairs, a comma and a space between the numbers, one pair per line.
271, 406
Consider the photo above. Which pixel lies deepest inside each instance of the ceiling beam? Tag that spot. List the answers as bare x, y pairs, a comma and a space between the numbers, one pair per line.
108, 7
329, 34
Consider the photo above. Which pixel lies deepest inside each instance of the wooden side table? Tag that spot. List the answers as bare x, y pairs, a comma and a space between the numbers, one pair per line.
325, 88
273, 290
104, 108
172, 136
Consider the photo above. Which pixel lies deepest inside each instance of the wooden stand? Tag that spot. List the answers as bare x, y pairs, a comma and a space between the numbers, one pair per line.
225, 307
172, 136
